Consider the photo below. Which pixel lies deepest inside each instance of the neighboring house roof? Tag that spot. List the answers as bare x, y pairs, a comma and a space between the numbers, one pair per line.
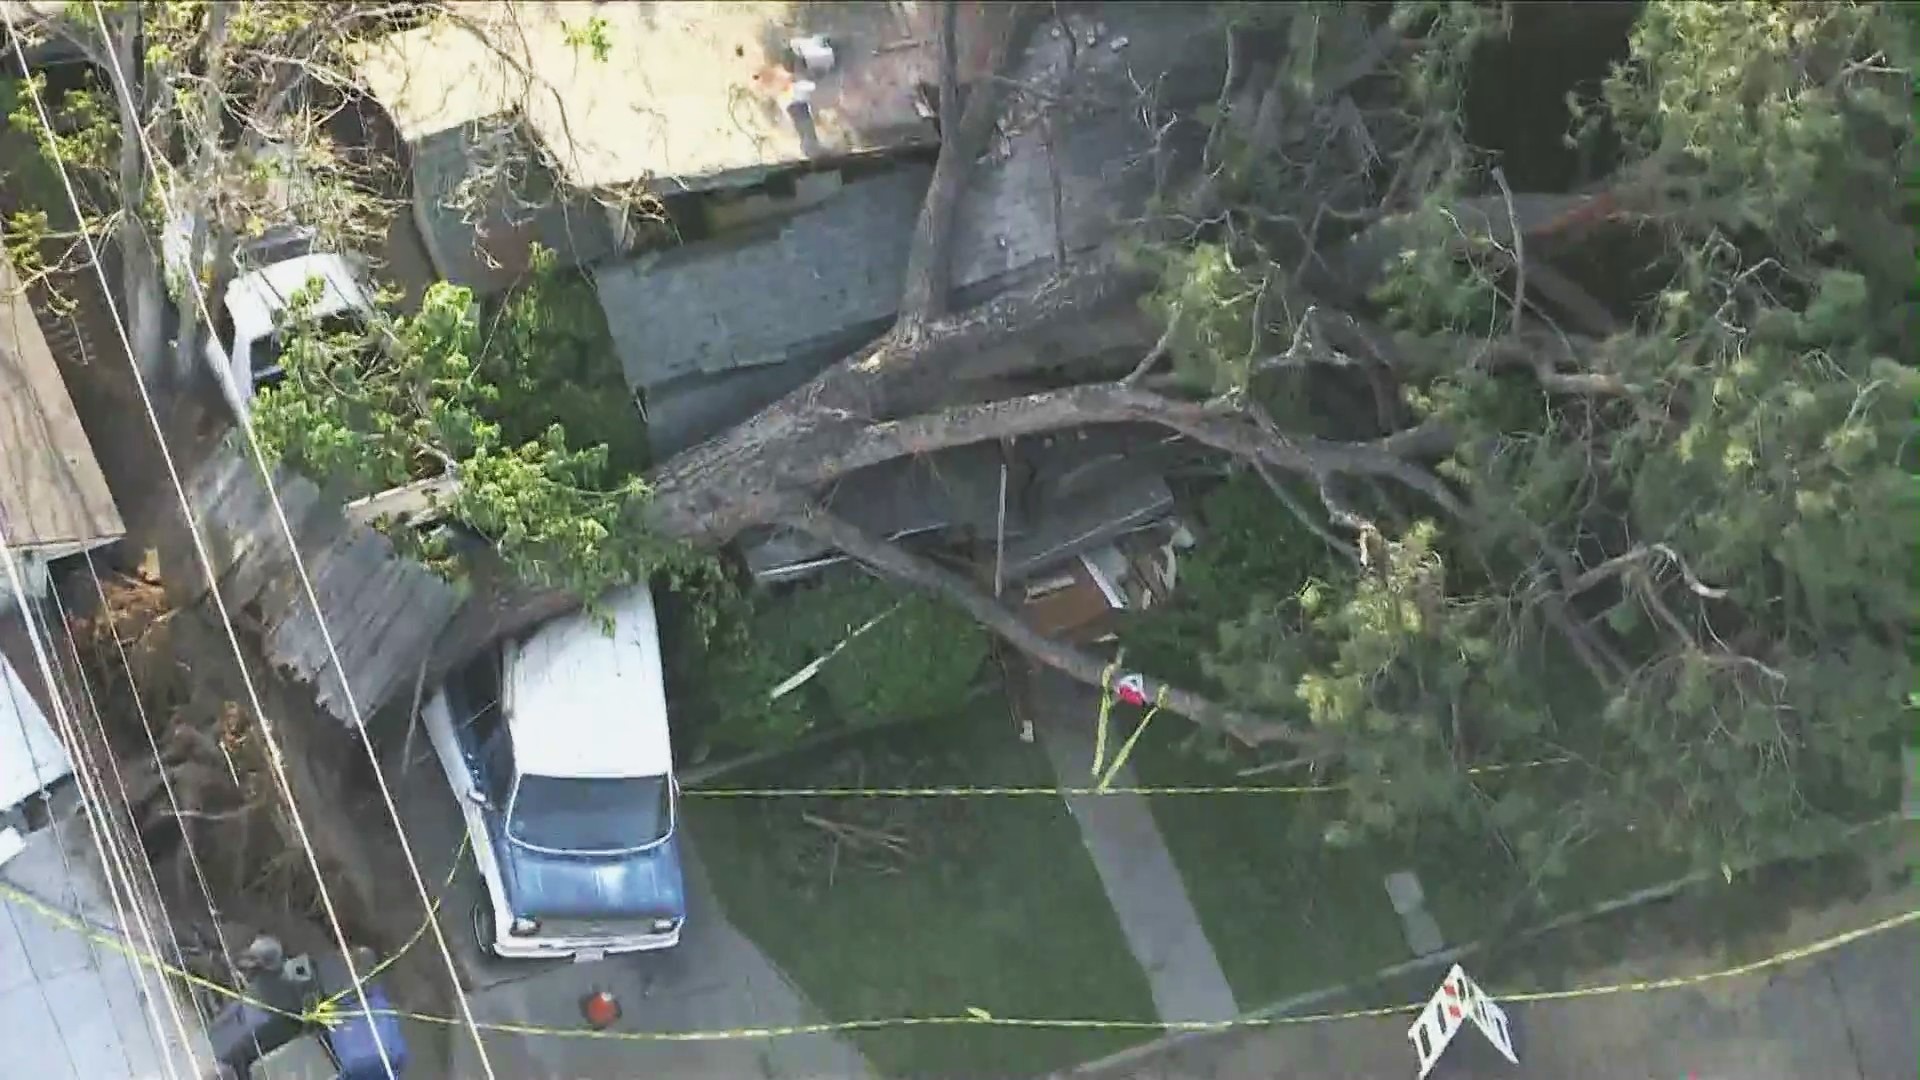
31, 757
52, 493
583, 702
689, 96
766, 295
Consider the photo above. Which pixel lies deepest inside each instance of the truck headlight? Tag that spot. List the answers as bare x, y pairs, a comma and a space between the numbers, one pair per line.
661, 926
523, 926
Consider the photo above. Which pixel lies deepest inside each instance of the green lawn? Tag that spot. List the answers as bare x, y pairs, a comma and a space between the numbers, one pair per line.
993, 903
1288, 913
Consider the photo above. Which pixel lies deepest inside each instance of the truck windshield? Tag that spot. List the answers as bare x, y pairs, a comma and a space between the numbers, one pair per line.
572, 814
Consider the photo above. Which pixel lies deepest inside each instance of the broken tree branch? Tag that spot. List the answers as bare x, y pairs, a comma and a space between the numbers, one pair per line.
1519, 252
892, 561
1638, 556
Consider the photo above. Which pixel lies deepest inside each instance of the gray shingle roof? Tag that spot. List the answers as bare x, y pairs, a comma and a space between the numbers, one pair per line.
767, 295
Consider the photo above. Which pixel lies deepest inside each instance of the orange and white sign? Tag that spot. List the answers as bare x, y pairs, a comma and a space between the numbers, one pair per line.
1458, 1001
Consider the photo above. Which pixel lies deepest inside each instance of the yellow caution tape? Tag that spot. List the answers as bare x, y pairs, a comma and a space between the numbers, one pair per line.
973, 792
1100, 721
328, 1013
1126, 749
323, 1012
977, 1017
124, 947
1827, 944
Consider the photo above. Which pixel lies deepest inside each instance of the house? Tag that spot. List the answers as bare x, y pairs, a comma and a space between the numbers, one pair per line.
716, 329
531, 121
709, 332
54, 500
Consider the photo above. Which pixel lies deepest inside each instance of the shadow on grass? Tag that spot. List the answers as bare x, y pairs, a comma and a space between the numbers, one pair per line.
913, 907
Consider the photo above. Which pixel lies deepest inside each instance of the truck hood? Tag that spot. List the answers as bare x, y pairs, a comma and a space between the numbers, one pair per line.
641, 885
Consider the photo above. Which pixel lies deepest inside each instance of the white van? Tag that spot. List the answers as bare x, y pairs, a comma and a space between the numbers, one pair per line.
557, 747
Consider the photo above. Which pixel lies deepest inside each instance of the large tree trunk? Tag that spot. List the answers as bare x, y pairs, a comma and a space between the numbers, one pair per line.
747, 475
929, 266
778, 475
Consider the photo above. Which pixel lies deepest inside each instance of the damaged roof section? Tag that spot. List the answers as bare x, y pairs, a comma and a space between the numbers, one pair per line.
1065, 493
711, 332
53, 498
674, 96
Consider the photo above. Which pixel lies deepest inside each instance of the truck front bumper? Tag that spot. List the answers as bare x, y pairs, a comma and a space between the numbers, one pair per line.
537, 947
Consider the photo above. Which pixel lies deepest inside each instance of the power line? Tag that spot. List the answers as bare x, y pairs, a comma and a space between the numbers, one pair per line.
160, 765
26, 743
126, 800
149, 890
103, 839
274, 757
109, 853
198, 291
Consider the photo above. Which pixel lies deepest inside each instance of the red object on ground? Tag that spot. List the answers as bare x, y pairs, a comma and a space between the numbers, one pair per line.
1131, 689
601, 1009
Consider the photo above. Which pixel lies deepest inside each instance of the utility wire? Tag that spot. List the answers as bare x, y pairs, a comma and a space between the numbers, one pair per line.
15, 319
60, 842
275, 759
90, 801
245, 424
104, 839
166, 779
126, 800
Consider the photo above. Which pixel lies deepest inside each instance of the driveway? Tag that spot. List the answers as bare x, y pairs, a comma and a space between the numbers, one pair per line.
716, 980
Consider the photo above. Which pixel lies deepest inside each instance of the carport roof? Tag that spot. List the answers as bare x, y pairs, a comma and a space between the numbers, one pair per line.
52, 493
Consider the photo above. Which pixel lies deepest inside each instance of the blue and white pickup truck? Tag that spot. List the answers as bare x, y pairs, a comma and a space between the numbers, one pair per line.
558, 750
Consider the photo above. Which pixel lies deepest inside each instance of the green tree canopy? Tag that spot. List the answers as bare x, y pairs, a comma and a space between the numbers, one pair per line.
523, 406
1680, 548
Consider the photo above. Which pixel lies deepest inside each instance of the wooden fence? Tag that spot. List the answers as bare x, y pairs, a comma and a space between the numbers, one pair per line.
384, 611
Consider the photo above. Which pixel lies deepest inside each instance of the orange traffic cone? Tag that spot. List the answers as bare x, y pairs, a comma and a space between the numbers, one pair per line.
601, 1009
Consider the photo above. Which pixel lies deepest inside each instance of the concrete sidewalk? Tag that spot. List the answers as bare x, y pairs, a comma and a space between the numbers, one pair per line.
1143, 884
1847, 1014
72, 1008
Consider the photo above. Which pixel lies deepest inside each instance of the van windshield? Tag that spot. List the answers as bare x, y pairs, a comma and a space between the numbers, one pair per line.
573, 814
